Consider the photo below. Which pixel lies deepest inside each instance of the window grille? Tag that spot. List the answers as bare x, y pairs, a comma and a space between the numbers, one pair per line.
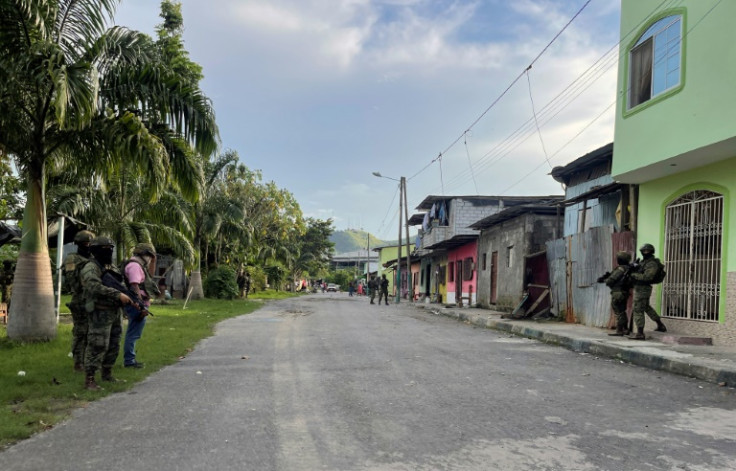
693, 245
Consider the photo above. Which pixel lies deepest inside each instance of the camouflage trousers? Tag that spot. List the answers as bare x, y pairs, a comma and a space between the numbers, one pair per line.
642, 293
103, 339
80, 319
619, 300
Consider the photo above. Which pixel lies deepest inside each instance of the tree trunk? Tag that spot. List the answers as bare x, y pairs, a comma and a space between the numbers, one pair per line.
195, 280
31, 316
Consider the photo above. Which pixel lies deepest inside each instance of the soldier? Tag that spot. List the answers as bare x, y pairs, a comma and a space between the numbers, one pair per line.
373, 288
384, 290
103, 306
643, 278
71, 268
139, 280
620, 285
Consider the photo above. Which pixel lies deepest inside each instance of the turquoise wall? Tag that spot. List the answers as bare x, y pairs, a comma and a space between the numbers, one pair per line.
702, 110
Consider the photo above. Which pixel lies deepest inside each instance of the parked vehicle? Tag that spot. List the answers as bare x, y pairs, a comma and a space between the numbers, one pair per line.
333, 287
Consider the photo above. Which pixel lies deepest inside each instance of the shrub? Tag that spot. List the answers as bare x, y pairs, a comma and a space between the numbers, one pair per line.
221, 283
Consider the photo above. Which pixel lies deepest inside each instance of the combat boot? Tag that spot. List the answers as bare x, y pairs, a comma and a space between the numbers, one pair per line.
90, 384
107, 376
620, 332
660, 326
639, 335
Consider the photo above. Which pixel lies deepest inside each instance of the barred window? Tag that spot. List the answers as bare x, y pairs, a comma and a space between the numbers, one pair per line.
692, 256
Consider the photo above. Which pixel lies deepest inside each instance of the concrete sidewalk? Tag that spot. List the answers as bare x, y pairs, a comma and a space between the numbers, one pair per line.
715, 364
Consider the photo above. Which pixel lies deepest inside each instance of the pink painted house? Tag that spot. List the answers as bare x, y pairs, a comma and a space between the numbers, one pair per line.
462, 287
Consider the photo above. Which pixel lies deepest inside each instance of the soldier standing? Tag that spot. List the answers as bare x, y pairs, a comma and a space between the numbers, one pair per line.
643, 278
384, 290
620, 285
373, 287
139, 280
71, 268
103, 306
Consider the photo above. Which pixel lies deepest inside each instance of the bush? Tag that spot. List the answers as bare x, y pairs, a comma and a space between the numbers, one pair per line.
221, 283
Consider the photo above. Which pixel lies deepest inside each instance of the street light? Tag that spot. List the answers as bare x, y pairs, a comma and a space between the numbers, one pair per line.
402, 203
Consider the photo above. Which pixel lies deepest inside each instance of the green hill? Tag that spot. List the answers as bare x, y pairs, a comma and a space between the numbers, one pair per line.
351, 240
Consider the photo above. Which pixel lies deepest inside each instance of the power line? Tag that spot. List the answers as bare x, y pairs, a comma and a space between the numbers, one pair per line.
536, 123
510, 85
557, 104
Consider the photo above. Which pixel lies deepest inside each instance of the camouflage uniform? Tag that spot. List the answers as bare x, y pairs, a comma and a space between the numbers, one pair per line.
105, 323
72, 266
643, 291
620, 286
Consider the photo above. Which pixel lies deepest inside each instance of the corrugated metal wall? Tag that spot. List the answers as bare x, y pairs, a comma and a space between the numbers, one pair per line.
575, 263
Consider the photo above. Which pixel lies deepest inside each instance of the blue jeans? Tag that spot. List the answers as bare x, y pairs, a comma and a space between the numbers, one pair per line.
132, 334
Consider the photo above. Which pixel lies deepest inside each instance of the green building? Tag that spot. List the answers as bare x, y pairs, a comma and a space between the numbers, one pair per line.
675, 137
387, 264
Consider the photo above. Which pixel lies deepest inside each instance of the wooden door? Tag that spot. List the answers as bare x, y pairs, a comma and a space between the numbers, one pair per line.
458, 281
494, 277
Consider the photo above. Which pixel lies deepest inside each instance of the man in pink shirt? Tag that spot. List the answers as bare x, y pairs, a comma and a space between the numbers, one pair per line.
139, 280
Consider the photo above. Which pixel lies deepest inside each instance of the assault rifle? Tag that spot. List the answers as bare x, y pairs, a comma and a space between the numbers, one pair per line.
114, 280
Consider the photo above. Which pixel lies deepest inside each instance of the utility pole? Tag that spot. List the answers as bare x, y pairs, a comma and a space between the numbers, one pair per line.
398, 259
409, 284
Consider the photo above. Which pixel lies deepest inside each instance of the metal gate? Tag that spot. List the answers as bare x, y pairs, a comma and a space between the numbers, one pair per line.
693, 245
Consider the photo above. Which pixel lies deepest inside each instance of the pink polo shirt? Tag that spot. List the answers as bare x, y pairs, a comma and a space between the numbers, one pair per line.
134, 274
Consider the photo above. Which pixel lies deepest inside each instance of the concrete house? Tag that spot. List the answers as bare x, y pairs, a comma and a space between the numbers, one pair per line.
511, 253
675, 138
446, 231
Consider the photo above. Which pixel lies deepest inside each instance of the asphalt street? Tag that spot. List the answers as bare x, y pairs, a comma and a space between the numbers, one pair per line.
328, 382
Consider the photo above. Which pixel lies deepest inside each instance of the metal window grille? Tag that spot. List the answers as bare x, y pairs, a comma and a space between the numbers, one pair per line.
693, 245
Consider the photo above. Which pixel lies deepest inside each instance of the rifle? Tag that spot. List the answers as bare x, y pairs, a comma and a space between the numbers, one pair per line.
114, 280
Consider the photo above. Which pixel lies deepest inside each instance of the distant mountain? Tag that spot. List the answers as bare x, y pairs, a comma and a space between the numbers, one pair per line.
351, 240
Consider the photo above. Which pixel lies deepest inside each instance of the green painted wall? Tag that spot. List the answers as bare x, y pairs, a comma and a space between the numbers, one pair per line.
386, 254
655, 195
702, 110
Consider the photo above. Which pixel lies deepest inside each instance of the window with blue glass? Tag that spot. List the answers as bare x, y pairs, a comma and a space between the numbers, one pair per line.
655, 60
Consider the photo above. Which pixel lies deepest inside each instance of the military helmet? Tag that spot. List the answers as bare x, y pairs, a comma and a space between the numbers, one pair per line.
102, 241
144, 248
623, 258
647, 248
83, 237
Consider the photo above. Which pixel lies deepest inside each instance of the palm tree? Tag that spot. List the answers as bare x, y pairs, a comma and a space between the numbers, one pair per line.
73, 91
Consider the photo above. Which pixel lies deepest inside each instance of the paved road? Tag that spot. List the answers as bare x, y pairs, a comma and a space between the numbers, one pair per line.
332, 383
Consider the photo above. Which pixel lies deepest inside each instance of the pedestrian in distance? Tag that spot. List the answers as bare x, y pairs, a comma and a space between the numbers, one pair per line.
139, 280
649, 271
71, 269
384, 290
103, 305
620, 284
351, 288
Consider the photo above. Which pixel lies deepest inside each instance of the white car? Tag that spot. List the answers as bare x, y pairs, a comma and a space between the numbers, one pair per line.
333, 287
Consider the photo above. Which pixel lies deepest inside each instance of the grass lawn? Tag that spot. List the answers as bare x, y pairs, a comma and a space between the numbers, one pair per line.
49, 389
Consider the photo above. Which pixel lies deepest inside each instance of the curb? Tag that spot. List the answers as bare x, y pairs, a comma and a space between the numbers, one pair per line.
692, 367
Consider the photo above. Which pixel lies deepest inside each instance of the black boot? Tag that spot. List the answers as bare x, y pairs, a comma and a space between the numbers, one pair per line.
660, 326
639, 335
90, 384
107, 376
620, 332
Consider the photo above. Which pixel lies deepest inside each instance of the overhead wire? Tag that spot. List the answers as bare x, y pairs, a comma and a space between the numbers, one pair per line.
470, 162
609, 106
534, 113
556, 105
518, 77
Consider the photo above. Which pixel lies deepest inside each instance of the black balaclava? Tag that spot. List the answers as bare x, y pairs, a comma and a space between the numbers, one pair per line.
102, 254
83, 250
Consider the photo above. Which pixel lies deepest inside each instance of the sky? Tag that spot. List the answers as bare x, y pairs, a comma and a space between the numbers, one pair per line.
318, 94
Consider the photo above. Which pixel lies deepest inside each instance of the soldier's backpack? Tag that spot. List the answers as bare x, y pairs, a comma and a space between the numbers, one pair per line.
661, 273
